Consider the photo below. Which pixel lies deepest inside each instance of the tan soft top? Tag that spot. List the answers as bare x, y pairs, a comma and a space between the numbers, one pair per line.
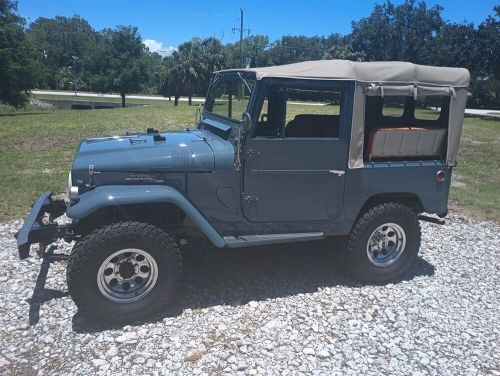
394, 72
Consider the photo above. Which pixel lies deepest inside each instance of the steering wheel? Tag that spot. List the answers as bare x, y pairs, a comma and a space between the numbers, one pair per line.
263, 118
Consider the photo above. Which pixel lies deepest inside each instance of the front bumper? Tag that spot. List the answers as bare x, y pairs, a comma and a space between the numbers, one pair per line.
34, 230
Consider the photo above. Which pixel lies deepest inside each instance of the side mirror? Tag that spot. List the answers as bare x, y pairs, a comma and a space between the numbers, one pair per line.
246, 121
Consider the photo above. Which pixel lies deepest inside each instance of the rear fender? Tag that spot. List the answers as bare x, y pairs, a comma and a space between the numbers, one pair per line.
121, 195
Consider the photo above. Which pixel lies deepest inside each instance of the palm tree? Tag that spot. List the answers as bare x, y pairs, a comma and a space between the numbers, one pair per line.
187, 67
164, 76
214, 58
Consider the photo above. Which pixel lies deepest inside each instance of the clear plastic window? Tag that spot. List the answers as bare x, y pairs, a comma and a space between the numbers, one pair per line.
429, 107
229, 97
393, 106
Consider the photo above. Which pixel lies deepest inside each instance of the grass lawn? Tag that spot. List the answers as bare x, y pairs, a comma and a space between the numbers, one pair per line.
38, 145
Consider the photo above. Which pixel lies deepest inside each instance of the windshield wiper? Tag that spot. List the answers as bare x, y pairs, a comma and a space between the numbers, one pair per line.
245, 82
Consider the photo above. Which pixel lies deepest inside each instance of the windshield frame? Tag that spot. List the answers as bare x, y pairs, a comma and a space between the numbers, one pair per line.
231, 75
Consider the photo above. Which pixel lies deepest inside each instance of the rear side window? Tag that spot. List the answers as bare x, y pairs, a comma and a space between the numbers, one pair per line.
430, 107
393, 106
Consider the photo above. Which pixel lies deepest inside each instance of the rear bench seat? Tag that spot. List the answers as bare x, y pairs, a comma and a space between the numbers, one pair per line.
405, 142
307, 125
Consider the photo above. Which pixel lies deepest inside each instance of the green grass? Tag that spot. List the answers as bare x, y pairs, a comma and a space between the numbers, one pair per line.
476, 179
38, 145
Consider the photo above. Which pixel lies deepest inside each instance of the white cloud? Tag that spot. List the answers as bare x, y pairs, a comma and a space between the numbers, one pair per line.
155, 46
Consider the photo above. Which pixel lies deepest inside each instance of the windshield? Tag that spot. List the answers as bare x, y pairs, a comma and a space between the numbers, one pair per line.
229, 96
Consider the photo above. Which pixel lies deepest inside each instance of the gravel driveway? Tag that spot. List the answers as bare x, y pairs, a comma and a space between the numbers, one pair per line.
272, 310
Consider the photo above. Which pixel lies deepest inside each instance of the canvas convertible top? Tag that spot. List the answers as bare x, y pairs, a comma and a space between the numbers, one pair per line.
394, 72
383, 78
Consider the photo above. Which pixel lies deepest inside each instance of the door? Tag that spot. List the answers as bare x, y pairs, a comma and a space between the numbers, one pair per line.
295, 161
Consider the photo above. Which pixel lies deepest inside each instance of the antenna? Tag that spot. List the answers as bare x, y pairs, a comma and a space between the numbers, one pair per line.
241, 29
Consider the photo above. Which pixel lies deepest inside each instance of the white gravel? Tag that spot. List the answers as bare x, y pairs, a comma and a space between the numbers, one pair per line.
280, 310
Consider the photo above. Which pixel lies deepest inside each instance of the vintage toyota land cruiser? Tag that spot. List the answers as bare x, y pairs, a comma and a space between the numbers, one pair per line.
280, 154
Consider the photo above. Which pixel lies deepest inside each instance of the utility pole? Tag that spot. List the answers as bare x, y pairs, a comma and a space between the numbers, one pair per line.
241, 29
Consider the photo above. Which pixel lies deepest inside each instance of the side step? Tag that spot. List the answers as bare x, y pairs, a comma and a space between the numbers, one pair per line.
251, 240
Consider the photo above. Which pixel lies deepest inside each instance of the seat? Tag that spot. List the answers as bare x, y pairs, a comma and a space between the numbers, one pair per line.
405, 142
312, 125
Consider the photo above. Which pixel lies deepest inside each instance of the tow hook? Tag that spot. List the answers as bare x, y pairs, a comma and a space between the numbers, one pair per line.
426, 218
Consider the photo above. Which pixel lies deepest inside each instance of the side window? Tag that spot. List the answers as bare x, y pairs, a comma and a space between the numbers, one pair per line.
394, 106
313, 112
431, 107
270, 118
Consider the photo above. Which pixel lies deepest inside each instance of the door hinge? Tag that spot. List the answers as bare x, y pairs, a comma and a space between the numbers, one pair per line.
337, 172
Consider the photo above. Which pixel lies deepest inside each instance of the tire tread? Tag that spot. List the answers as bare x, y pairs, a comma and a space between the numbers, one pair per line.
356, 250
85, 249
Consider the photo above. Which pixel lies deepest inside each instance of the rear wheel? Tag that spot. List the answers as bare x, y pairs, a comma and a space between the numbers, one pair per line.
384, 242
124, 272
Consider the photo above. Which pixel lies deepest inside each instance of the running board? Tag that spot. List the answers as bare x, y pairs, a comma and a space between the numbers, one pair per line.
250, 240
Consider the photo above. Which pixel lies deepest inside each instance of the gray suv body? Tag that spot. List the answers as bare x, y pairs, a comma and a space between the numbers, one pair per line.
292, 153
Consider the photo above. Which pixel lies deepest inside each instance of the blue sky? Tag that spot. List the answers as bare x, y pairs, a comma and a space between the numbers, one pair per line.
167, 23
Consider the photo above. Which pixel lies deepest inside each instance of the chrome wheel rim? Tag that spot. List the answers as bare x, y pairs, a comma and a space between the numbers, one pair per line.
386, 244
127, 275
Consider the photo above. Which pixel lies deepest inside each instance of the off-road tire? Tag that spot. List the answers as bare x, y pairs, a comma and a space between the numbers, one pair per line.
88, 255
358, 262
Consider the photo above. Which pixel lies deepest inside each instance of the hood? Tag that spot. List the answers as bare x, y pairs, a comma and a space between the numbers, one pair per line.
169, 151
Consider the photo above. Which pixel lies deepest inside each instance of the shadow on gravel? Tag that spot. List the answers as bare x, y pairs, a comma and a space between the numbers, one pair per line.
235, 277
40, 293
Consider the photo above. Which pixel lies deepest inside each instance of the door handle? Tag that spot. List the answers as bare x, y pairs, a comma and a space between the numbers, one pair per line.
337, 172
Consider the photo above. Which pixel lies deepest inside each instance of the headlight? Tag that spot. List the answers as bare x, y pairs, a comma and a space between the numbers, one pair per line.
72, 190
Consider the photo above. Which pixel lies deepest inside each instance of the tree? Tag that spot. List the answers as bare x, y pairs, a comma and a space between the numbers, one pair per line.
213, 58
187, 67
400, 32
455, 46
256, 51
59, 39
63, 78
488, 40
153, 64
169, 85
18, 65
118, 64
293, 49
340, 47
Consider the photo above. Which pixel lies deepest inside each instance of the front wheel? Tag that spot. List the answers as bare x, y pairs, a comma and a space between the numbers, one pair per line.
384, 242
124, 272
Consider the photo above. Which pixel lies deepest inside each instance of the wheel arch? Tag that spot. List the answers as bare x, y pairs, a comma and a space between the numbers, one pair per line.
409, 199
133, 202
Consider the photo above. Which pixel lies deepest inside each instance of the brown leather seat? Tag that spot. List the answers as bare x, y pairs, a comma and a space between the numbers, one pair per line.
405, 142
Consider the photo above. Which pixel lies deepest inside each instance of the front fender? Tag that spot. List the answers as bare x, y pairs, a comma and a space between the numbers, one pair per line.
118, 195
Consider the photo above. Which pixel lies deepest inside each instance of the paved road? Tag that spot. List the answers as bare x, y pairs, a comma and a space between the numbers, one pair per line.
472, 111
100, 95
